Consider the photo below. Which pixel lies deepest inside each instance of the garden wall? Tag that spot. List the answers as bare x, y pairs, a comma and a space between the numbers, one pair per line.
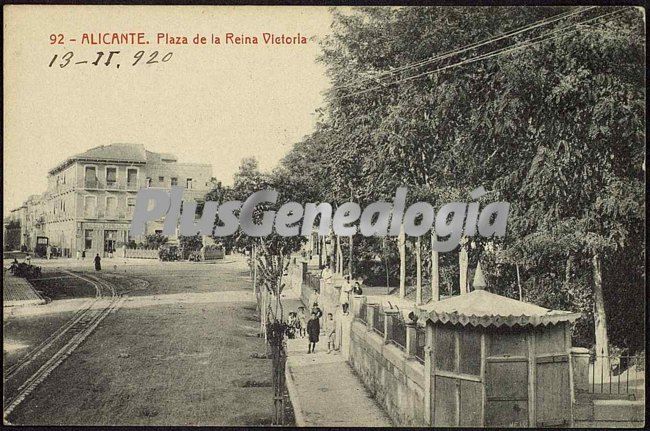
138, 253
397, 383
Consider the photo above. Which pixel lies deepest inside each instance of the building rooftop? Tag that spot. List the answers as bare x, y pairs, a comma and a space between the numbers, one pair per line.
483, 308
133, 153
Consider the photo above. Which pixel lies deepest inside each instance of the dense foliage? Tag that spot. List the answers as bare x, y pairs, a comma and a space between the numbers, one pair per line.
556, 128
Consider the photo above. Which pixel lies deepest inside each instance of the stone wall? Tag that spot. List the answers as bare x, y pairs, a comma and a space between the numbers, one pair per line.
397, 383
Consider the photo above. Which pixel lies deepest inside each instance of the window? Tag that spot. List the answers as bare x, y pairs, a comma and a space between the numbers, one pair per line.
132, 177
130, 205
189, 183
111, 206
91, 176
90, 206
111, 176
174, 181
88, 239
161, 179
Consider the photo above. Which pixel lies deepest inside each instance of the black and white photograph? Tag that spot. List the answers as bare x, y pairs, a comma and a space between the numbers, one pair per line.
324, 216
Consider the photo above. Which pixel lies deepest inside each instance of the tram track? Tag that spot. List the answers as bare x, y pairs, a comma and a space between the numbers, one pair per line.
70, 336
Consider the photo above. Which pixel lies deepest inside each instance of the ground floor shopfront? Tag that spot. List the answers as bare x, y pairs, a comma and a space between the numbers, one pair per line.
92, 237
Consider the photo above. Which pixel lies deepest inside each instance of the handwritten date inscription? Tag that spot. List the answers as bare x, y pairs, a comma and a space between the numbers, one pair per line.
111, 58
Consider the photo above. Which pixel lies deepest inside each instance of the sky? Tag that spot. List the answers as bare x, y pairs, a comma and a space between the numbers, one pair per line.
209, 103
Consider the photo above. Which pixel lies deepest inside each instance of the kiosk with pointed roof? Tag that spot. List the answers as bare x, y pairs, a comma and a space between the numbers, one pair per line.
494, 361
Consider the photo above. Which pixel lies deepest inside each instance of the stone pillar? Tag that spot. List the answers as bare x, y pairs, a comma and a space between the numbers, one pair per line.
388, 323
355, 306
411, 340
580, 364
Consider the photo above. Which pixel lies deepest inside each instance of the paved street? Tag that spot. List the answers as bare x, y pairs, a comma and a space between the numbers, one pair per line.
178, 350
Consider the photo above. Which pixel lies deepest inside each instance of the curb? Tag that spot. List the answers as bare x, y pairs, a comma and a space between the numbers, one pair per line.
293, 396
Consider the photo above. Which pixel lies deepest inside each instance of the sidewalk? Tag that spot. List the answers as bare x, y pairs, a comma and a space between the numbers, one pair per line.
18, 291
323, 389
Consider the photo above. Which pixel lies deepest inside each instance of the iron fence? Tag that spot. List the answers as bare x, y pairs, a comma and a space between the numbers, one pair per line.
378, 320
397, 334
614, 374
420, 342
363, 312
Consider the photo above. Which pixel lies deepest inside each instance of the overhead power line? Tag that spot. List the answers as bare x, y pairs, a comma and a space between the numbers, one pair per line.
487, 41
489, 54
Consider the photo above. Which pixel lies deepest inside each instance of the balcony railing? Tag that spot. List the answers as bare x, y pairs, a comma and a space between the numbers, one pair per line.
113, 185
132, 185
92, 184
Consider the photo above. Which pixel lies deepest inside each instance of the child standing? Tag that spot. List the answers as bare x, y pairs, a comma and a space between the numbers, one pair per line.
291, 326
313, 330
330, 332
302, 322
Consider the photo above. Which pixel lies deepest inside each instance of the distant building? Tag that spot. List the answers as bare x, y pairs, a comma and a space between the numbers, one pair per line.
90, 197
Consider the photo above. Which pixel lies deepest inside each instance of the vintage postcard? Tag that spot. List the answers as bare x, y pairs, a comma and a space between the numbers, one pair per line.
327, 216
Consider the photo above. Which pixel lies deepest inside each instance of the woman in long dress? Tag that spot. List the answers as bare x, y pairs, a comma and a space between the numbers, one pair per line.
98, 263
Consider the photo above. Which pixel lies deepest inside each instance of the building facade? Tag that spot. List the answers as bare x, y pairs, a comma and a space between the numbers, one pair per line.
90, 197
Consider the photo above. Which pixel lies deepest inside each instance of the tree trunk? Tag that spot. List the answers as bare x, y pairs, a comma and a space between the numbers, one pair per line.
254, 269
350, 261
332, 250
402, 262
418, 262
386, 265
568, 269
339, 254
521, 294
463, 263
435, 276
321, 240
600, 318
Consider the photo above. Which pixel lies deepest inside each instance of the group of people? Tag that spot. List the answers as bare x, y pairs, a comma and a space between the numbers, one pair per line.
302, 327
312, 328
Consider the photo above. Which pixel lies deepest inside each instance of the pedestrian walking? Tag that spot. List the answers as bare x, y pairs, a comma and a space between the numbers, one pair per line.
83, 254
98, 263
313, 331
78, 254
319, 313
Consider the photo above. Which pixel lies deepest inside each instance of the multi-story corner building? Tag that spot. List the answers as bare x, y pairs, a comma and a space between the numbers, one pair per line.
90, 197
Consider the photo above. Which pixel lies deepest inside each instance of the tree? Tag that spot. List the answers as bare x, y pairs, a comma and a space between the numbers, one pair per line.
155, 240
570, 108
